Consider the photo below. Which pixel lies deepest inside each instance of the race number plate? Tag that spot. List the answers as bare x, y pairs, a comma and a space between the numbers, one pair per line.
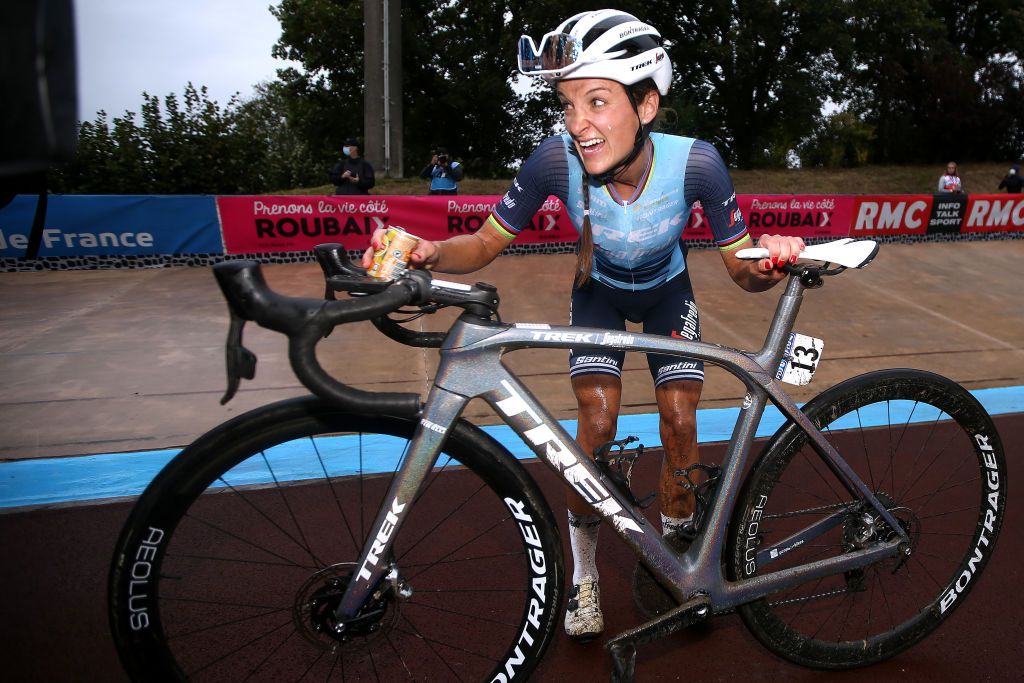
800, 359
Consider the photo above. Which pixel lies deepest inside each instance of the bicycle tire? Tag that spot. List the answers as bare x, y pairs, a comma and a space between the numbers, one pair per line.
232, 556
936, 461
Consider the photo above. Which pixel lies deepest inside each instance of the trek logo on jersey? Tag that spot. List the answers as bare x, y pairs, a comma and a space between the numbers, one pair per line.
735, 216
731, 198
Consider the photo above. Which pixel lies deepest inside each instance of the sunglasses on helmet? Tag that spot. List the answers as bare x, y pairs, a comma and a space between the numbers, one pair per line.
557, 51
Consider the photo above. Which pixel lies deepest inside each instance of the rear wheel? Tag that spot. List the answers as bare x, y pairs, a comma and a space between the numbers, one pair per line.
234, 559
932, 456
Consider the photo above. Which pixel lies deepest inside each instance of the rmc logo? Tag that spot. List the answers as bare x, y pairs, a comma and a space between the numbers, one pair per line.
892, 215
994, 213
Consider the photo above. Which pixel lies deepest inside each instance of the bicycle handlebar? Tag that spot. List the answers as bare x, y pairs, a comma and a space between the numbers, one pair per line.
480, 300
305, 322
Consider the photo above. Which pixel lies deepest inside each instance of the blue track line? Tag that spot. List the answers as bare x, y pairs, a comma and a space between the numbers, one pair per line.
47, 481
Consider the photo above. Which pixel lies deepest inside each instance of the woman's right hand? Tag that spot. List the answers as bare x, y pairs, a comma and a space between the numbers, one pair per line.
424, 256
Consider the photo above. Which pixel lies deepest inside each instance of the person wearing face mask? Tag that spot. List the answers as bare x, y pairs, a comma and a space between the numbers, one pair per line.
352, 174
628, 192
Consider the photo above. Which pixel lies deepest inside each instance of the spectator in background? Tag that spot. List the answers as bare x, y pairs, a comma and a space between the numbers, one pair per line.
444, 173
1012, 183
950, 183
352, 174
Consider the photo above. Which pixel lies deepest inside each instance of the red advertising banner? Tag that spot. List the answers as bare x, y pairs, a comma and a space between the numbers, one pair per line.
797, 215
994, 213
890, 215
252, 225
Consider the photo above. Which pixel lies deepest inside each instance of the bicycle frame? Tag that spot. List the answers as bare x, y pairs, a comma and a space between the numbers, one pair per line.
471, 367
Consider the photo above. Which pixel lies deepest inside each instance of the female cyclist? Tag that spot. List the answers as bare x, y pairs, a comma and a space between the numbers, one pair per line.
628, 191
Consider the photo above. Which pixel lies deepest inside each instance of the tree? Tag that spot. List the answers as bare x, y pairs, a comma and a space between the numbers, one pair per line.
838, 140
268, 151
324, 101
458, 76
917, 80
938, 79
751, 77
199, 148
458, 85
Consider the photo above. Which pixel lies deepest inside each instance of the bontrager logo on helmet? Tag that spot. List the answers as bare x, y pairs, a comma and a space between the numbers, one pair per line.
601, 44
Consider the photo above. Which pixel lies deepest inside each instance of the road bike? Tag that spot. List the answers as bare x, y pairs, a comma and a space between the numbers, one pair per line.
374, 535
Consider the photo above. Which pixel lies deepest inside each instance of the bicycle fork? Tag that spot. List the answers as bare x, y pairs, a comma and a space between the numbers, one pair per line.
374, 565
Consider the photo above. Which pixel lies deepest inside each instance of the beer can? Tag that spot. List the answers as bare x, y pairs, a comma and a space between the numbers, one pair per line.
391, 260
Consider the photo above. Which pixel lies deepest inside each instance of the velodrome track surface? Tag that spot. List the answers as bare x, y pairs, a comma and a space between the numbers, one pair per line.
98, 363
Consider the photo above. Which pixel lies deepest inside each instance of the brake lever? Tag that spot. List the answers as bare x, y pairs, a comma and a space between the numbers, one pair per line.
240, 361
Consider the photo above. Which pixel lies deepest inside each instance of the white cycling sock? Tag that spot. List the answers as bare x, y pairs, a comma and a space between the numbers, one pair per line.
670, 524
583, 530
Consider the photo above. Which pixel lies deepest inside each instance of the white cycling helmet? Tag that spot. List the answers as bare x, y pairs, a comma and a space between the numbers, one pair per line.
604, 43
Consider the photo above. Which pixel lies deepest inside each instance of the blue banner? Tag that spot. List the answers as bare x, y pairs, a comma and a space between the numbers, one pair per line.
86, 225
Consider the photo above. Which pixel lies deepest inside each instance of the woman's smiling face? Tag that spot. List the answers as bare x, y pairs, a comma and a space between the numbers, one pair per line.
600, 118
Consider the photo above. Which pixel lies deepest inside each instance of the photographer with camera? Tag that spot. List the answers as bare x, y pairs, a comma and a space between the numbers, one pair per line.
444, 173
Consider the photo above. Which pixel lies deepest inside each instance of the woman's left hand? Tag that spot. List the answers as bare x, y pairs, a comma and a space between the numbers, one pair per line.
782, 250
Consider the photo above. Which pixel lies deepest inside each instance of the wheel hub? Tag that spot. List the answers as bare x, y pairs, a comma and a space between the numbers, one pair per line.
316, 603
865, 528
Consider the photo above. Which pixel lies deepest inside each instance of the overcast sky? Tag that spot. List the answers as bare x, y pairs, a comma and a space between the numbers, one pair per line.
127, 47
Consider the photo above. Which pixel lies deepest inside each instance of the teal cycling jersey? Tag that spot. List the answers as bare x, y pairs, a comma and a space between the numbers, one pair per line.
637, 239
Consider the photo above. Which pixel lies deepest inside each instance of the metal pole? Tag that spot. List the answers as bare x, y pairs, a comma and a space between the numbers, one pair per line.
386, 68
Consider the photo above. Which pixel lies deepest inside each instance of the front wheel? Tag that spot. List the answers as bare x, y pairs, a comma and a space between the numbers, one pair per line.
931, 454
233, 560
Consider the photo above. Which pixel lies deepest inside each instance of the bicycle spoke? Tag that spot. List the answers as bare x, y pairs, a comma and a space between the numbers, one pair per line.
224, 624
236, 537
284, 500
244, 646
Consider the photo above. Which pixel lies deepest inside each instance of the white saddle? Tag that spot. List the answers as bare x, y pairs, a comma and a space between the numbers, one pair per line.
846, 252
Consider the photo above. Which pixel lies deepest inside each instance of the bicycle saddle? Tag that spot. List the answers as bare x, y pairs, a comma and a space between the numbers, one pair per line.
846, 252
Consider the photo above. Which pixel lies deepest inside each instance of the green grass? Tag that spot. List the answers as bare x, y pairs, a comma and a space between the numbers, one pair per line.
978, 178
